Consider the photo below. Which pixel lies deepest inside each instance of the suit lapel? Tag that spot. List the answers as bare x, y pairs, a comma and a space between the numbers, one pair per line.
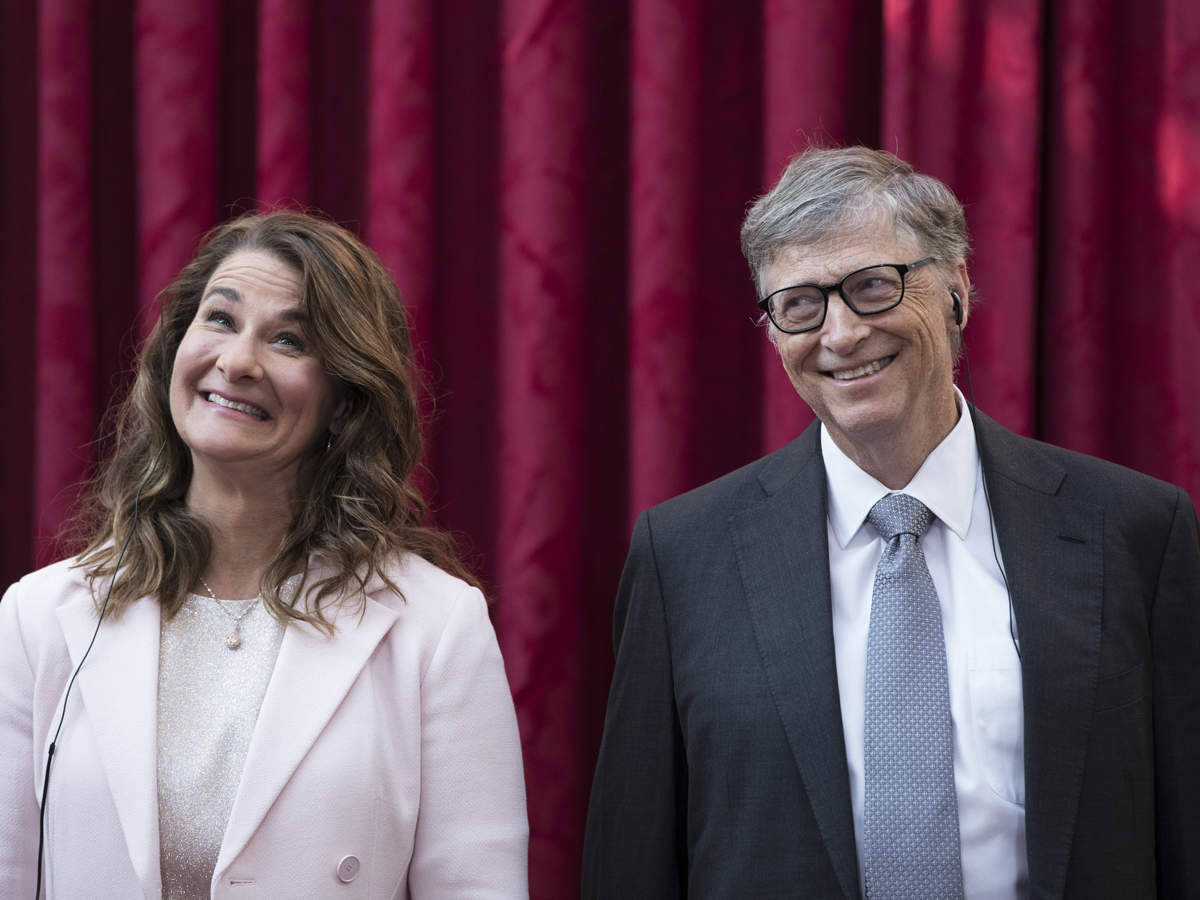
1052, 550
118, 686
312, 676
789, 598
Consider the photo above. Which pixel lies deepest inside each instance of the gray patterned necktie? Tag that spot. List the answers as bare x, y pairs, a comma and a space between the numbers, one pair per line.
910, 817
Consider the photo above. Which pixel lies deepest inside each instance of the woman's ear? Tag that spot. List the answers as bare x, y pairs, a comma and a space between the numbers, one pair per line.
340, 412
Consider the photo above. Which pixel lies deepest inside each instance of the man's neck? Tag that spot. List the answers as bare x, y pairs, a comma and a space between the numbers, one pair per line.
894, 459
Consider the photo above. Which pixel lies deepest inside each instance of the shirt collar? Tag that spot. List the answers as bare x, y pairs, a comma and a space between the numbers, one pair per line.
945, 483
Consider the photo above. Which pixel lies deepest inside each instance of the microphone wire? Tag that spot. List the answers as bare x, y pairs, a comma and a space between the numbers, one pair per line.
70, 684
1012, 613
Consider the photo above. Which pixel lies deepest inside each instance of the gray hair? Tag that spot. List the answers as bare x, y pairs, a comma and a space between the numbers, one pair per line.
824, 192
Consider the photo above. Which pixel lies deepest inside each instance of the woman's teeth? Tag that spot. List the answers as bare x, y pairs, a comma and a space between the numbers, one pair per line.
240, 407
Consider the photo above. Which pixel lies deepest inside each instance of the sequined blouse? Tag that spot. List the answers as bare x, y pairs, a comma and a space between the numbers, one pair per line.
208, 701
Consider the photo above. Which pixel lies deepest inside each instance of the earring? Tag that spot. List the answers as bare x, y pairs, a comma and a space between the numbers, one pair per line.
329, 442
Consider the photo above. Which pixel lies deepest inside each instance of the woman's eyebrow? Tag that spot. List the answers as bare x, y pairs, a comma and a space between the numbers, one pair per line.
227, 292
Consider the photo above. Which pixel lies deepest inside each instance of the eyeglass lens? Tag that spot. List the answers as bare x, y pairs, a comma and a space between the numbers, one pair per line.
869, 291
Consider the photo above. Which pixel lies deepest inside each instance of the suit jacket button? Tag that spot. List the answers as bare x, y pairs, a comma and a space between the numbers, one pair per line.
347, 869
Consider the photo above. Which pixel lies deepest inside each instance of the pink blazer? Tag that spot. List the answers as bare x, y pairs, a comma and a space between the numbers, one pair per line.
393, 743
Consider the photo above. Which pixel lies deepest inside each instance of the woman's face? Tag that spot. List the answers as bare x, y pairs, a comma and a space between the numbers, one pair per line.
248, 394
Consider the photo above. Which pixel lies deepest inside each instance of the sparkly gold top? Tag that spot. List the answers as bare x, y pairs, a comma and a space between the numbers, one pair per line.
208, 701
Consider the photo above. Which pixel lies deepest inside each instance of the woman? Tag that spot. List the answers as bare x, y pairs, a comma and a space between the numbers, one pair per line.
295, 691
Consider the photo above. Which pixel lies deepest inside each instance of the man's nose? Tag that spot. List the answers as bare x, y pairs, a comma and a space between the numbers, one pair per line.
843, 327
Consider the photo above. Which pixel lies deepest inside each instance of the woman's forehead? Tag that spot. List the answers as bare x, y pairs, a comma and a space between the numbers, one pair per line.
257, 268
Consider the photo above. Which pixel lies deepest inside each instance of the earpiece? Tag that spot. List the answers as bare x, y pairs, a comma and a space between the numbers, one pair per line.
958, 315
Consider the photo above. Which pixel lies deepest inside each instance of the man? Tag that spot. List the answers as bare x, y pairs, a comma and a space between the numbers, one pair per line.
911, 654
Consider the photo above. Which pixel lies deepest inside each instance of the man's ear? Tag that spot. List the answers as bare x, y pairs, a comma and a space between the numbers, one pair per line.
962, 287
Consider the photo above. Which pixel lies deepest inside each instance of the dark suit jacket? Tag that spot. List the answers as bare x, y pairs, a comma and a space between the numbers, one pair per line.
722, 771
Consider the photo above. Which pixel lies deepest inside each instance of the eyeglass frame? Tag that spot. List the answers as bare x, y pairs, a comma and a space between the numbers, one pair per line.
826, 289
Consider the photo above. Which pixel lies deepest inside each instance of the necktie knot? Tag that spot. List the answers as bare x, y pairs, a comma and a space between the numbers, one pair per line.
900, 514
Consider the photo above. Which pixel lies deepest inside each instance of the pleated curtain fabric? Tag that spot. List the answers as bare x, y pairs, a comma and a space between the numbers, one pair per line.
557, 189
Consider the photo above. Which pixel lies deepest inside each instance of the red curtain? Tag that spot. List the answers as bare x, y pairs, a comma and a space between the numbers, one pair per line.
557, 188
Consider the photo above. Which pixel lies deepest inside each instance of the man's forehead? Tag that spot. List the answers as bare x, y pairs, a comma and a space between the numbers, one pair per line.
841, 253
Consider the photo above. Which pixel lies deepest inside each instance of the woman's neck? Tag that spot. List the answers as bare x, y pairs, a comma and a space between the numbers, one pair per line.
245, 527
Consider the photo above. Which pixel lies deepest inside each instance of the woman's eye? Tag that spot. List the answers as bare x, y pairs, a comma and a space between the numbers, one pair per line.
290, 340
217, 317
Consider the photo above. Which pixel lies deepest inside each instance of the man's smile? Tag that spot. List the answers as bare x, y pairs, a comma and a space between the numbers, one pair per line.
860, 371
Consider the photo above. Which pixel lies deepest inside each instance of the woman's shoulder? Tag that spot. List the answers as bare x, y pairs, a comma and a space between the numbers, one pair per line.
61, 581
34, 600
426, 601
423, 588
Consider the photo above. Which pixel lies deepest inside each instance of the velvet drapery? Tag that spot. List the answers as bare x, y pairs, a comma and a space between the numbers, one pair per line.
557, 187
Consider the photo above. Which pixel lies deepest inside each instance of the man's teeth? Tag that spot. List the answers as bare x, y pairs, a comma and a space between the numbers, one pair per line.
240, 407
869, 369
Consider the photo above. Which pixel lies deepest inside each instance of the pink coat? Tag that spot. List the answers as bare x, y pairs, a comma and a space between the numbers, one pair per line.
394, 743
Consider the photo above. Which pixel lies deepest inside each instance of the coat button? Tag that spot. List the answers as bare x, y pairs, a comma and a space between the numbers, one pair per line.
347, 869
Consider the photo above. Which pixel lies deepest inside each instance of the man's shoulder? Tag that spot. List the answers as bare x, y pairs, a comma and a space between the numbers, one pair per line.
1068, 472
743, 487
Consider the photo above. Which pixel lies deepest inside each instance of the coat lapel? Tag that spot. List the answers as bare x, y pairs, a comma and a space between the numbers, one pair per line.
1052, 550
118, 686
312, 676
789, 599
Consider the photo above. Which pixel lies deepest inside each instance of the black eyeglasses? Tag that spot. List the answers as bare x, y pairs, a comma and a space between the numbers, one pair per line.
868, 292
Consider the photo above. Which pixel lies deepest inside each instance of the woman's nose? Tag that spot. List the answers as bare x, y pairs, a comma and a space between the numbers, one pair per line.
239, 359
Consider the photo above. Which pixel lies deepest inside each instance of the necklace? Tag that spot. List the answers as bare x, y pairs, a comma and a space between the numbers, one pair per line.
234, 640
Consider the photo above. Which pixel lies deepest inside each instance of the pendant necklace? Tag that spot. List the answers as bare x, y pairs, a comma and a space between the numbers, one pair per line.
234, 639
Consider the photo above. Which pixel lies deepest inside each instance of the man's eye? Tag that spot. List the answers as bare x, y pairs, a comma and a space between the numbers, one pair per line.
801, 301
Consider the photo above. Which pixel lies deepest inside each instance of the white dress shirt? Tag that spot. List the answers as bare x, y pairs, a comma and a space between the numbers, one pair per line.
982, 662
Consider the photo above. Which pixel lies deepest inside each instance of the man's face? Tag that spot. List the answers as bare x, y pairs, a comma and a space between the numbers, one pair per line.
874, 380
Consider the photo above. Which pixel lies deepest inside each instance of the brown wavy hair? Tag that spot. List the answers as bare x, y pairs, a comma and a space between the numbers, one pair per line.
357, 506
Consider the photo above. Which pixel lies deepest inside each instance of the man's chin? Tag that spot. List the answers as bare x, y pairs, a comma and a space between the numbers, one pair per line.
864, 424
